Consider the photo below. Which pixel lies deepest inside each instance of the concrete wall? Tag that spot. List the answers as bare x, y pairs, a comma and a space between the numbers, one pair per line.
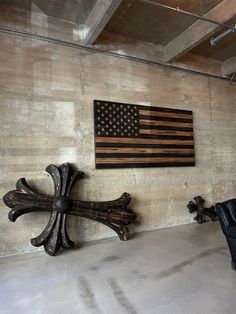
46, 116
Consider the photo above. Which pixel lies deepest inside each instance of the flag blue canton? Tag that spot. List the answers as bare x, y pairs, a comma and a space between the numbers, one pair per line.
116, 119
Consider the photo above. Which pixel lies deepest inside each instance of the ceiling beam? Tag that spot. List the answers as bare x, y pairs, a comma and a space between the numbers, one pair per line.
229, 66
98, 18
141, 50
199, 31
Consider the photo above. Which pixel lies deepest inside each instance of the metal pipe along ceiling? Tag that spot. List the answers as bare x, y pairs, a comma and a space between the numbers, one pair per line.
51, 40
213, 41
196, 16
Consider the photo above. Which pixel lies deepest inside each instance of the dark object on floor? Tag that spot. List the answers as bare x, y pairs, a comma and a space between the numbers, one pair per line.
198, 206
227, 217
24, 199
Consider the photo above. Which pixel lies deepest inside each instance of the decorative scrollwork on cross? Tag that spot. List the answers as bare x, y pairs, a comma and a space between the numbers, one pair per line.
25, 199
198, 206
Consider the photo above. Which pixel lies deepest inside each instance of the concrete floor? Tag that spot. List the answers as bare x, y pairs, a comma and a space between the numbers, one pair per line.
181, 270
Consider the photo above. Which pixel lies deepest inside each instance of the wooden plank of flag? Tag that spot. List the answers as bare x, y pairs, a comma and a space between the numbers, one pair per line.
128, 136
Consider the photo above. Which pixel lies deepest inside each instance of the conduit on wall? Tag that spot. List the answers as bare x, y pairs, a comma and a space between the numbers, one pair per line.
25, 34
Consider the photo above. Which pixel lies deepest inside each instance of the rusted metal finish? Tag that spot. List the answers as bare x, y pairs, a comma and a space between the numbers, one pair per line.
25, 199
198, 206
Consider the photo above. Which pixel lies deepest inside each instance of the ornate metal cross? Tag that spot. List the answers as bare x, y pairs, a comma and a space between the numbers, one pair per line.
25, 199
198, 206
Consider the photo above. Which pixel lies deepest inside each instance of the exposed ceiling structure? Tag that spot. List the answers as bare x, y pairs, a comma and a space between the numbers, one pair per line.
153, 24
142, 21
224, 50
72, 10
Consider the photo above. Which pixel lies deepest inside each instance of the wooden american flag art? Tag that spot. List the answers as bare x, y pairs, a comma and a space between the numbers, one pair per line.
128, 136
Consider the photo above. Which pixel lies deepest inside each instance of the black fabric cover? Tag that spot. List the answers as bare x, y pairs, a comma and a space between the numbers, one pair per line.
227, 217
232, 231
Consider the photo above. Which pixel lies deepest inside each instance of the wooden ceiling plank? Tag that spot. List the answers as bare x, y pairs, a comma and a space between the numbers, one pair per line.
199, 31
229, 66
98, 18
